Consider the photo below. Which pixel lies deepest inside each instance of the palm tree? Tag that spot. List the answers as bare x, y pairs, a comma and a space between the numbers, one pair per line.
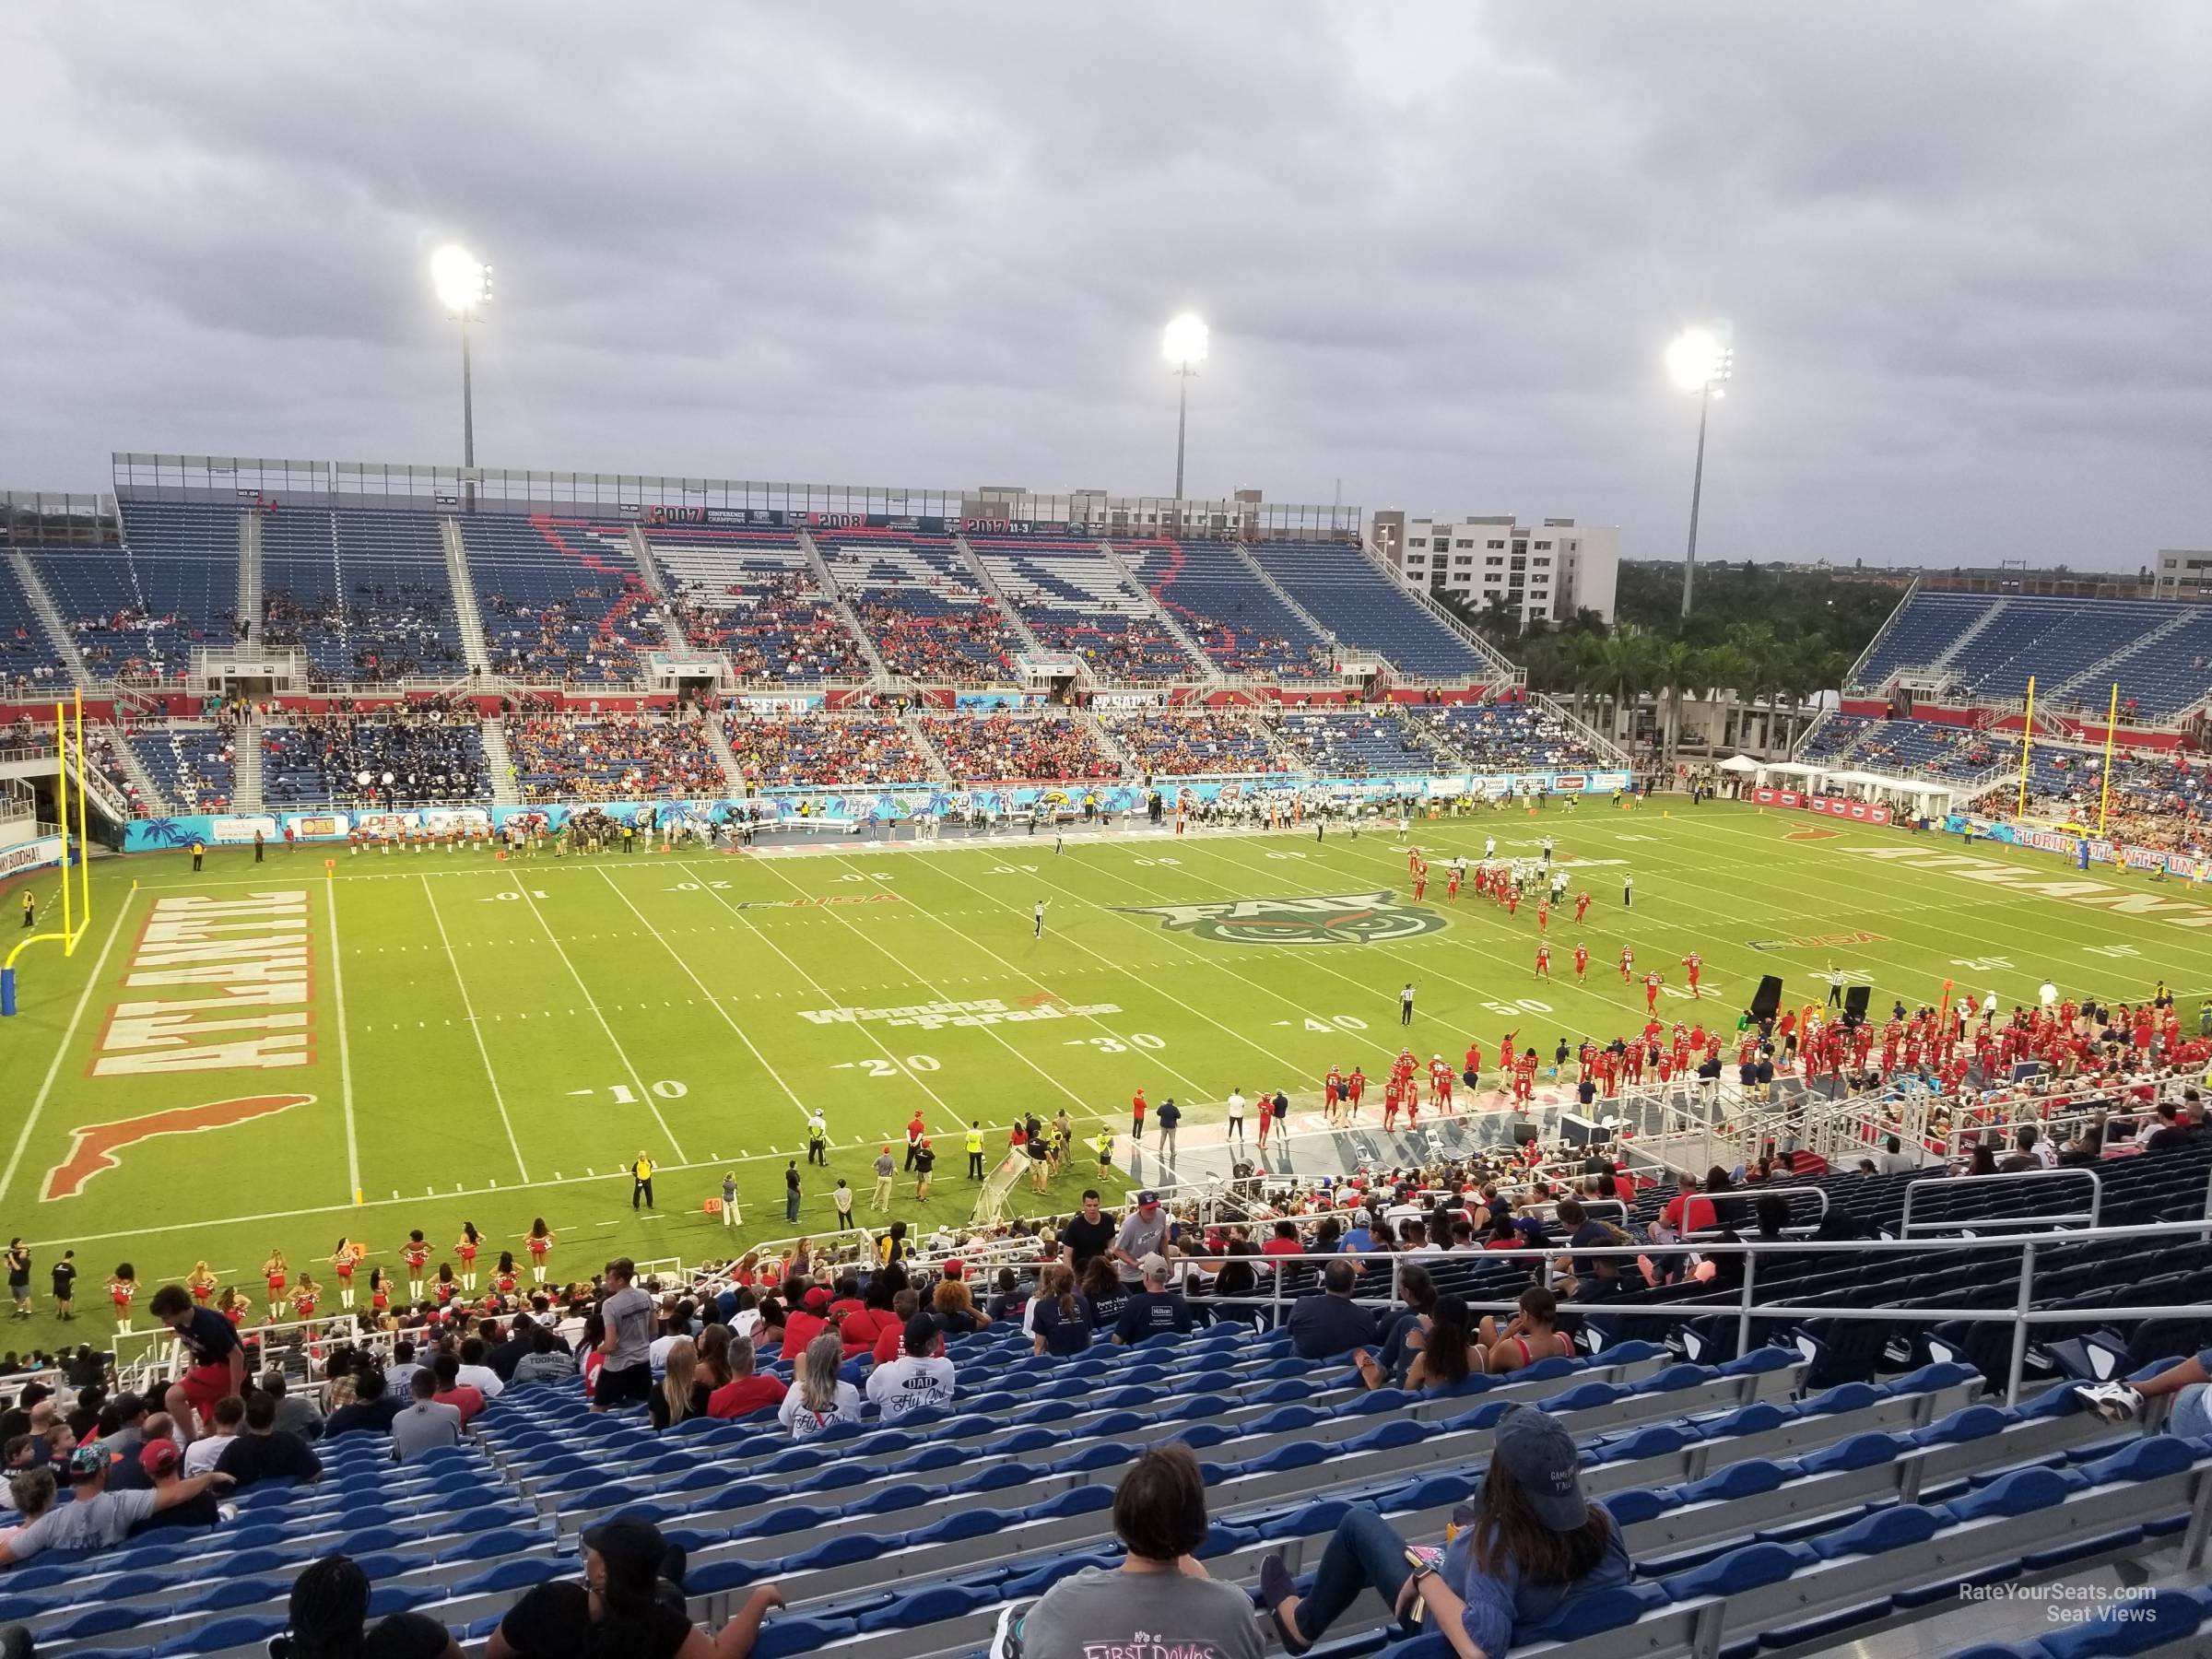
1675, 664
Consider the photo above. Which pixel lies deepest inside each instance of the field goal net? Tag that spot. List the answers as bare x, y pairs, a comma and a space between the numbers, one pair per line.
991, 1203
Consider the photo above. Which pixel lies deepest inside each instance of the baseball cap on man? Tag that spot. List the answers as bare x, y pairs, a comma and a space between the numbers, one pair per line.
159, 1457
87, 1460
1146, 1199
1536, 1450
1154, 1266
818, 1299
921, 1334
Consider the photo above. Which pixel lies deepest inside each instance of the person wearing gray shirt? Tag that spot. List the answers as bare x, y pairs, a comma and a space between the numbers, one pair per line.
425, 1424
1159, 1599
1143, 1233
625, 1377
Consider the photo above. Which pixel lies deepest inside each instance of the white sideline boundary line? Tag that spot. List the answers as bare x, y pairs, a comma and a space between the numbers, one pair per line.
476, 1031
337, 983
592, 1003
53, 1068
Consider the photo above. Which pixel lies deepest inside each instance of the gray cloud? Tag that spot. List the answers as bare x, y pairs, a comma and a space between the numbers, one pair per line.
1442, 247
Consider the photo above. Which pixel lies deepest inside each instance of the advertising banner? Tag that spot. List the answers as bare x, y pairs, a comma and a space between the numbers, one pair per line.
29, 855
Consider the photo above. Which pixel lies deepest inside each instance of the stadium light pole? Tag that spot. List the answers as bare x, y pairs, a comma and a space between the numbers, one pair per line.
464, 287
1699, 362
1184, 347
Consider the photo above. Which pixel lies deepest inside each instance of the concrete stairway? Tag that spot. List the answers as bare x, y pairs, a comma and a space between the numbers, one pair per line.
498, 760
249, 575
475, 650
58, 636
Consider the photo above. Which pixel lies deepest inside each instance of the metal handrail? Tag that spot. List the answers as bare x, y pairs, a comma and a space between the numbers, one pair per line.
1953, 1182
1751, 1194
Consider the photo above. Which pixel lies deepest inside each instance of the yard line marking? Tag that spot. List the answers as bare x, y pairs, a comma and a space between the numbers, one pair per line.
68, 1036
726, 1018
622, 1054
338, 981
476, 1031
1198, 1095
989, 1032
823, 991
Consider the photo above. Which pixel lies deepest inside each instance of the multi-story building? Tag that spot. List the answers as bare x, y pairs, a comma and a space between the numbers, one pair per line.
1545, 571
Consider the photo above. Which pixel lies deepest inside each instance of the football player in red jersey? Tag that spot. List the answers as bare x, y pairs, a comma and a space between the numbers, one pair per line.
1695, 964
1544, 962
1355, 1085
1627, 964
1582, 962
1651, 990
1390, 1104
1581, 906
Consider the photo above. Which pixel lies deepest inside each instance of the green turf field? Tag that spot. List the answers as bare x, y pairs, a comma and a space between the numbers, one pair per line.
457, 1037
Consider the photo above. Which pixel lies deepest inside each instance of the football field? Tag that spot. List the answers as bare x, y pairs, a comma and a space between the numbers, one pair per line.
264, 1056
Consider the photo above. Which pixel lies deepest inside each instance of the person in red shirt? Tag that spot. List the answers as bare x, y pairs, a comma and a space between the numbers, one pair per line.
1543, 915
1524, 1078
1390, 1104
1136, 1114
1452, 885
746, 1393
1473, 1068
1651, 990
1544, 962
915, 1129
1582, 905
1582, 963
1331, 1090
452, 1392
1695, 965
1512, 902
1627, 964
1420, 881
805, 1320
1357, 1086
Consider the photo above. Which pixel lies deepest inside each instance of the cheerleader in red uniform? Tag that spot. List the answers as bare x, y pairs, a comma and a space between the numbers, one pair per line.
465, 1247
123, 1290
342, 1261
418, 1256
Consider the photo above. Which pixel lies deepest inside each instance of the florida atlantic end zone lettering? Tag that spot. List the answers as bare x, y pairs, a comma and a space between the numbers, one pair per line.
239, 996
1343, 919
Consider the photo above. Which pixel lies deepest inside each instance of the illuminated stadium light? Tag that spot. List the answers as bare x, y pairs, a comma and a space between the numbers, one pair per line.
1183, 345
463, 283
1699, 361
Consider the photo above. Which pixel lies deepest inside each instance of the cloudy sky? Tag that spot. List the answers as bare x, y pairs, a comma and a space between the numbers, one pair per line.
1962, 250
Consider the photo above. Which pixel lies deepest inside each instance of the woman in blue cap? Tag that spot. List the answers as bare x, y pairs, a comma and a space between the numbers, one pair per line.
1535, 1543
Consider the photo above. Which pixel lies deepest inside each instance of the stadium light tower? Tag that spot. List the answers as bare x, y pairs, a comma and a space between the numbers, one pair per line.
1184, 347
464, 287
1698, 362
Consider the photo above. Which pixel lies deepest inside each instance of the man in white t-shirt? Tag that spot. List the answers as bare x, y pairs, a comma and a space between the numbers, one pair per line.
915, 1381
230, 1418
1236, 1115
2048, 995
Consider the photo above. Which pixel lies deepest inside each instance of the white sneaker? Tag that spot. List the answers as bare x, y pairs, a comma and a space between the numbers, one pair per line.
2114, 1402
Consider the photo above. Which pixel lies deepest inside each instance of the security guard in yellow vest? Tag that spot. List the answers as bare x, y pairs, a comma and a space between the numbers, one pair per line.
817, 1140
975, 1151
1103, 1145
640, 1181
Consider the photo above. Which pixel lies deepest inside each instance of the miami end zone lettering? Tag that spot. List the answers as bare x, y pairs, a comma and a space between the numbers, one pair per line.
230, 990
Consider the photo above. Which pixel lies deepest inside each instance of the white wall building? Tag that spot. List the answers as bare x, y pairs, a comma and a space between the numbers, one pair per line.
1549, 569
2183, 573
